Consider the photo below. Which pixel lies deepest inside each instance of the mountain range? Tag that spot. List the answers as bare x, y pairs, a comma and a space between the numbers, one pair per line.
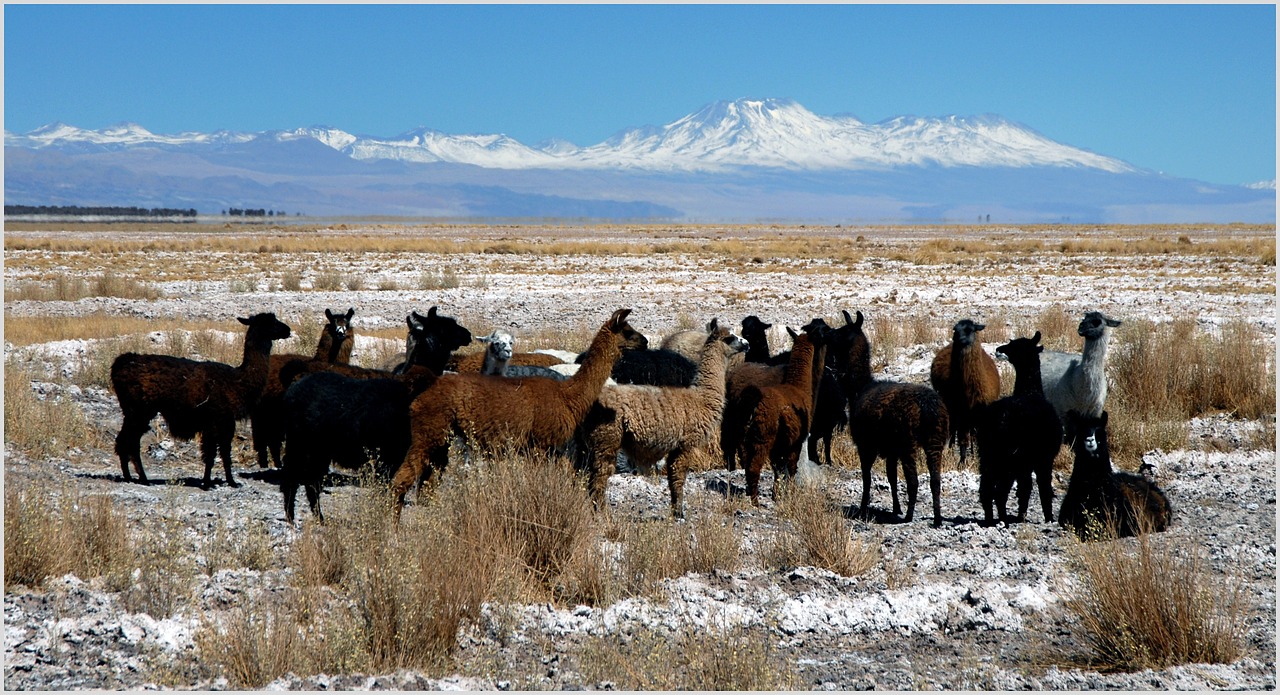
743, 160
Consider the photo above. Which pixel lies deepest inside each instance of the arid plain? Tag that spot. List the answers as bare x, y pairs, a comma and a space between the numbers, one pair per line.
185, 588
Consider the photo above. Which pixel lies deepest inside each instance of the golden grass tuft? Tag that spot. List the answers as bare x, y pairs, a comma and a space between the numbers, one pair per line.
48, 533
42, 427
1150, 603
818, 536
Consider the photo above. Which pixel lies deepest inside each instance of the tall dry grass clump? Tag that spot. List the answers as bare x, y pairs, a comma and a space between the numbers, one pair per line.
817, 535
41, 427
1143, 603
1163, 374
696, 658
69, 288
661, 549
48, 533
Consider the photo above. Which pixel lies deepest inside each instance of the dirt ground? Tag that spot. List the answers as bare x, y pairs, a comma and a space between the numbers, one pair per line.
958, 607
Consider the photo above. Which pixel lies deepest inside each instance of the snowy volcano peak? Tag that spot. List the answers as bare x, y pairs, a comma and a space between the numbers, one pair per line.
723, 135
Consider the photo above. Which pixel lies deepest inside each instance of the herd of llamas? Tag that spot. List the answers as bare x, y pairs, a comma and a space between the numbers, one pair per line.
623, 406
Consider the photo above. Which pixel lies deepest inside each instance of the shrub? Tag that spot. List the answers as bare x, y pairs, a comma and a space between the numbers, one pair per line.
52, 532
818, 536
41, 427
1148, 604
706, 659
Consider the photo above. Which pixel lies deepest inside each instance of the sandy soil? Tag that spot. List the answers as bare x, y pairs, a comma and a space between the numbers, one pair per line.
962, 606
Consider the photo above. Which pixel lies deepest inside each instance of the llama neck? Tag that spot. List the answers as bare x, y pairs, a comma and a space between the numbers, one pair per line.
1095, 350
582, 389
757, 348
1027, 378
493, 365
800, 369
333, 350
858, 374
254, 362
815, 372
709, 380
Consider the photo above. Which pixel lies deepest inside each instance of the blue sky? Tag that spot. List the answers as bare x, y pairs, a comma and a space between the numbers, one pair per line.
1189, 90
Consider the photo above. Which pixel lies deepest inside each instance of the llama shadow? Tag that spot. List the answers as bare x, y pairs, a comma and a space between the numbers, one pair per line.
726, 488
270, 476
878, 516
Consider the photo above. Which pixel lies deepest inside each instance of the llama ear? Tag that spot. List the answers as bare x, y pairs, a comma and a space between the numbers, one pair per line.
1104, 418
244, 320
1036, 338
432, 313
713, 325
351, 312
1111, 322
792, 333
329, 315
979, 326
848, 320
619, 317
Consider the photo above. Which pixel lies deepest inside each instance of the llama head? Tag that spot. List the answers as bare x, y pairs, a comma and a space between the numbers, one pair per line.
752, 326
721, 334
339, 325
1021, 351
965, 332
818, 330
501, 344
433, 335
629, 338
848, 345
265, 327
1088, 437
1095, 324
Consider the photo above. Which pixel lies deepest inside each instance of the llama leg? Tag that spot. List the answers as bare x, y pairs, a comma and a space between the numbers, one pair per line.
867, 457
754, 466
1044, 481
676, 469
1002, 488
987, 494
313, 499
128, 446
913, 483
1024, 493
258, 426
224, 450
289, 486
891, 472
208, 452
933, 459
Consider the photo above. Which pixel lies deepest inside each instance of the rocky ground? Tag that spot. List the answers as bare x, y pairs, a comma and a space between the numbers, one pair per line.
961, 606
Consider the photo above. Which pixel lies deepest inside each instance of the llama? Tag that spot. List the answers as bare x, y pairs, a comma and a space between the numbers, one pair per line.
1079, 381
335, 419
490, 411
1018, 435
890, 419
780, 416
652, 368
830, 404
442, 335
431, 340
754, 331
650, 423
1100, 501
966, 377
334, 347
193, 397
498, 359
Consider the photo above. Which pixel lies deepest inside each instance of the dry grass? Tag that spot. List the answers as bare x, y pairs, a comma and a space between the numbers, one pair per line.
69, 288
1164, 374
42, 427
818, 536
655, 550
710, 659
49, 533
1150, 602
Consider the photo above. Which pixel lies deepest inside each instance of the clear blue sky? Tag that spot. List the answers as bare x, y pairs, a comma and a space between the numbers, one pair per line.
1187, 90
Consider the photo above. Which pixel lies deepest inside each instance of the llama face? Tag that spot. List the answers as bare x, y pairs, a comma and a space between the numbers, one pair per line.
502, 345
443, 332
266, 326
1089, 437
965, 332
339, 325
732, 343
1020, 351
1095, 324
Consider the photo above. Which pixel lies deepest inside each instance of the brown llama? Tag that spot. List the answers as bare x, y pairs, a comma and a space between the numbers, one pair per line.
490, 411
779, 417
334, 347
650, 423
193, 397
890, 419
966, 378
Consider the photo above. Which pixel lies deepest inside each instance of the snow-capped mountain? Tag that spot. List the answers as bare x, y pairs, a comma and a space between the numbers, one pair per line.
774, 133
742, 160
